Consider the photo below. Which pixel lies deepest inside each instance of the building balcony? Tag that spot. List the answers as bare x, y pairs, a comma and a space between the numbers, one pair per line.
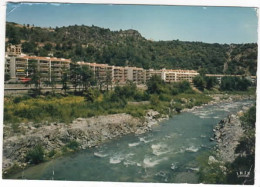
55, 71
56, 74
44, 65
56, 65
19, 70
20, 62
44, 69
20, 74
21, 67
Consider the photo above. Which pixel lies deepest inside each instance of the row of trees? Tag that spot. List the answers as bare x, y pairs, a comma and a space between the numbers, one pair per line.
202, 82
155, 85
227, 83
81, 78
234, 83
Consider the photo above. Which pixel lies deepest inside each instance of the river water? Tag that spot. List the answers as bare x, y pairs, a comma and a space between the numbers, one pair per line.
166, 154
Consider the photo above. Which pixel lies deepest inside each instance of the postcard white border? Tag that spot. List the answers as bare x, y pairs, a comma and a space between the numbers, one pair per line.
23, 183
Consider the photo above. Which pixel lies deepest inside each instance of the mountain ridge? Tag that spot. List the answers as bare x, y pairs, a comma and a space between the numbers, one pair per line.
129, 47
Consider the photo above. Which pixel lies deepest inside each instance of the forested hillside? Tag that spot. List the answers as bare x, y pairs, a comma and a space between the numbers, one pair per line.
121, 48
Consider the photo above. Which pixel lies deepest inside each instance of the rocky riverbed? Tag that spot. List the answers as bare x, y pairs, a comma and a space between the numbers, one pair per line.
88, 132
220, 98
227, 134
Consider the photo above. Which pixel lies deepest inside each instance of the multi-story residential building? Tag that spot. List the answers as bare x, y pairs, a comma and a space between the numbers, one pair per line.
137, 75
23, 66
14, 50
20, 66
151, 72
118, 75
102, 72
178, 75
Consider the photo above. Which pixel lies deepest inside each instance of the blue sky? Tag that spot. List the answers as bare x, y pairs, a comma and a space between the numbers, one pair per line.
186, 23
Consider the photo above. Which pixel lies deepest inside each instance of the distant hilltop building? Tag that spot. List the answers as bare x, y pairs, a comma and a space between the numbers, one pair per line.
19, 66
14, 50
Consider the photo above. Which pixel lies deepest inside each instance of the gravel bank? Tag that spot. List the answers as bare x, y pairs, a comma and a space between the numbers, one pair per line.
227, 134
88, 132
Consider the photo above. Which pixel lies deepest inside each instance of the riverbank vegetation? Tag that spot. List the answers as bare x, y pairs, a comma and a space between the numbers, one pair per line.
245, 162
44, 109
89, 98
241, 170
227, 83
159, 96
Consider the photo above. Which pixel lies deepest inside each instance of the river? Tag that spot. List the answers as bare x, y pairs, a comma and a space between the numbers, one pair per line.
166, 154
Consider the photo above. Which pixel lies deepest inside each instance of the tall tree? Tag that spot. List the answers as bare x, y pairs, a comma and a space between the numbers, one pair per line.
87, 77
108, 79
75, 71
210, 82
99, 79
155, 85
35, 76
199, 82
65, 80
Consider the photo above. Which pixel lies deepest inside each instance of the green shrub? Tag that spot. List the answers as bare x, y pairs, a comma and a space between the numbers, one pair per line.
174, 91
51, 153
199, 82
234, 83
180, 87
154, 99
35, 155
155, 85
74, 145
15, 127
178, 107
19, 99
64, 149
165, 97
189, 105
210, 173
136, 112
141, 96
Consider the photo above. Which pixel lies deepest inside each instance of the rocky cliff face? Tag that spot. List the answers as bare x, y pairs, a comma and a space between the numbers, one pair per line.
88, 132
